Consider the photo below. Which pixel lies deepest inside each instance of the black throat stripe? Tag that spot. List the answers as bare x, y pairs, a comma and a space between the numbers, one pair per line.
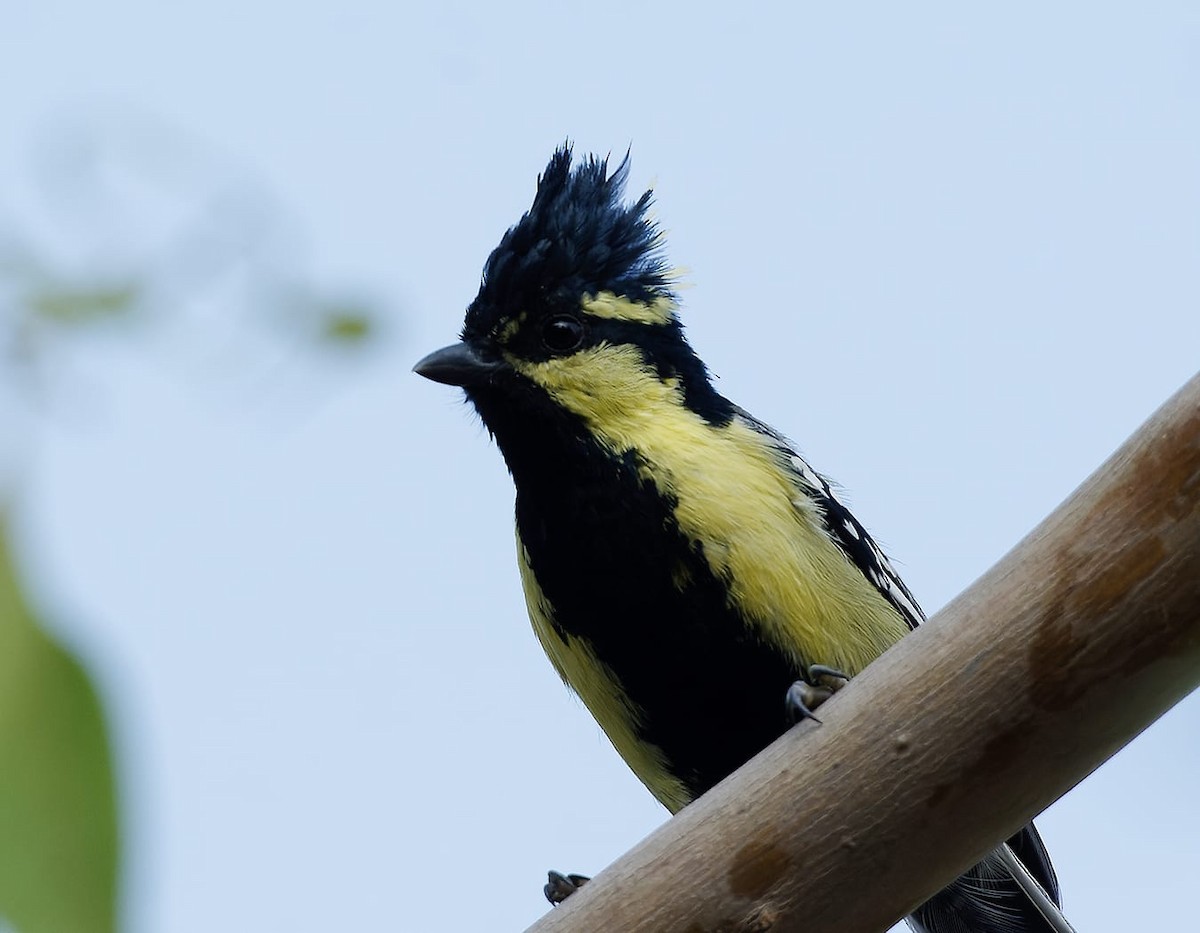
608, 555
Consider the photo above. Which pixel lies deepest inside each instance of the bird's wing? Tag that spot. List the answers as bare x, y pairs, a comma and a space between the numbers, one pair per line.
843, 528
986, 897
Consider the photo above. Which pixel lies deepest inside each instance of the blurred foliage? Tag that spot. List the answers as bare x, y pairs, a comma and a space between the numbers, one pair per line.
346, 325
58, 817
130, 223
140, 232
81, 306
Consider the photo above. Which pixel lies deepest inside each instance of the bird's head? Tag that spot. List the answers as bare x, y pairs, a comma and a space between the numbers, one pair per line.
575, 317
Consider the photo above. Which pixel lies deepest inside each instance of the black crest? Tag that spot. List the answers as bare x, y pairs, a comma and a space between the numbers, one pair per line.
579, 236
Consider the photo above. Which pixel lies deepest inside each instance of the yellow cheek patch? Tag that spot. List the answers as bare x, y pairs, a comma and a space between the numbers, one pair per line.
616, 308
737, 497
605, 384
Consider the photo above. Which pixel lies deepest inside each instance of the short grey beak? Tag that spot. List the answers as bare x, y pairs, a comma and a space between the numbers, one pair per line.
457, 365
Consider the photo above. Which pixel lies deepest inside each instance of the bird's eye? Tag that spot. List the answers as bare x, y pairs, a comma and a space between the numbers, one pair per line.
562, 333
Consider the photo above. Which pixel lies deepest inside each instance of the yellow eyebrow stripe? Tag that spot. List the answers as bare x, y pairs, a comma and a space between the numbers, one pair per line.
616, 308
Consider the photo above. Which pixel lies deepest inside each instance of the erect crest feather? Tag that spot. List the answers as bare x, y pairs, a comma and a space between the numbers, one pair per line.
578, 237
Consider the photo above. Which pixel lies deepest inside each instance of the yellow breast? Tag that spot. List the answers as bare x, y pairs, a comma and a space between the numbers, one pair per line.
740, 503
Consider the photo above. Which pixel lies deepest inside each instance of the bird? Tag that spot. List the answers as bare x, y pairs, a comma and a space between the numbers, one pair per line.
684, 568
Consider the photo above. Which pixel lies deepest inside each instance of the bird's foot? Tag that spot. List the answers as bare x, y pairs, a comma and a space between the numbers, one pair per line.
819, 684
559, 886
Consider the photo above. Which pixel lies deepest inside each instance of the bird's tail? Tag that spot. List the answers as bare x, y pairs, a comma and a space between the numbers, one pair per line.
991, 898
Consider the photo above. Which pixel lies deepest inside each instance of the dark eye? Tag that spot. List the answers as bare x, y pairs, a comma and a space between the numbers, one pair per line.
562, 333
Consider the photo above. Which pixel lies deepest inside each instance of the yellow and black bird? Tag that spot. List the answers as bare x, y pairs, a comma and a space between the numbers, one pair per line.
683, 566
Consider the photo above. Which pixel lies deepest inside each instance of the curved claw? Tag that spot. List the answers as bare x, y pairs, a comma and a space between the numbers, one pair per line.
817, 673
802, 698
559, 886
819, 684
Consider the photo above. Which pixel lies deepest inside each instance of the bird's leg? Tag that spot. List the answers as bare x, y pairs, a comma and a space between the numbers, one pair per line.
818, 685
559, 886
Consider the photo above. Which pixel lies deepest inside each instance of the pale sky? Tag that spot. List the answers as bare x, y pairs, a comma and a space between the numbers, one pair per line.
951, 253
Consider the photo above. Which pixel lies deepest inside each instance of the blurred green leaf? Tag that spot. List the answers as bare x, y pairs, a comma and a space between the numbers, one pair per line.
66, 305
58, 820
347, 325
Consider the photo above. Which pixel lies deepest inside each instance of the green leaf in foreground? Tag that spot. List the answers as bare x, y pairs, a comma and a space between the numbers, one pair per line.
58, 821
